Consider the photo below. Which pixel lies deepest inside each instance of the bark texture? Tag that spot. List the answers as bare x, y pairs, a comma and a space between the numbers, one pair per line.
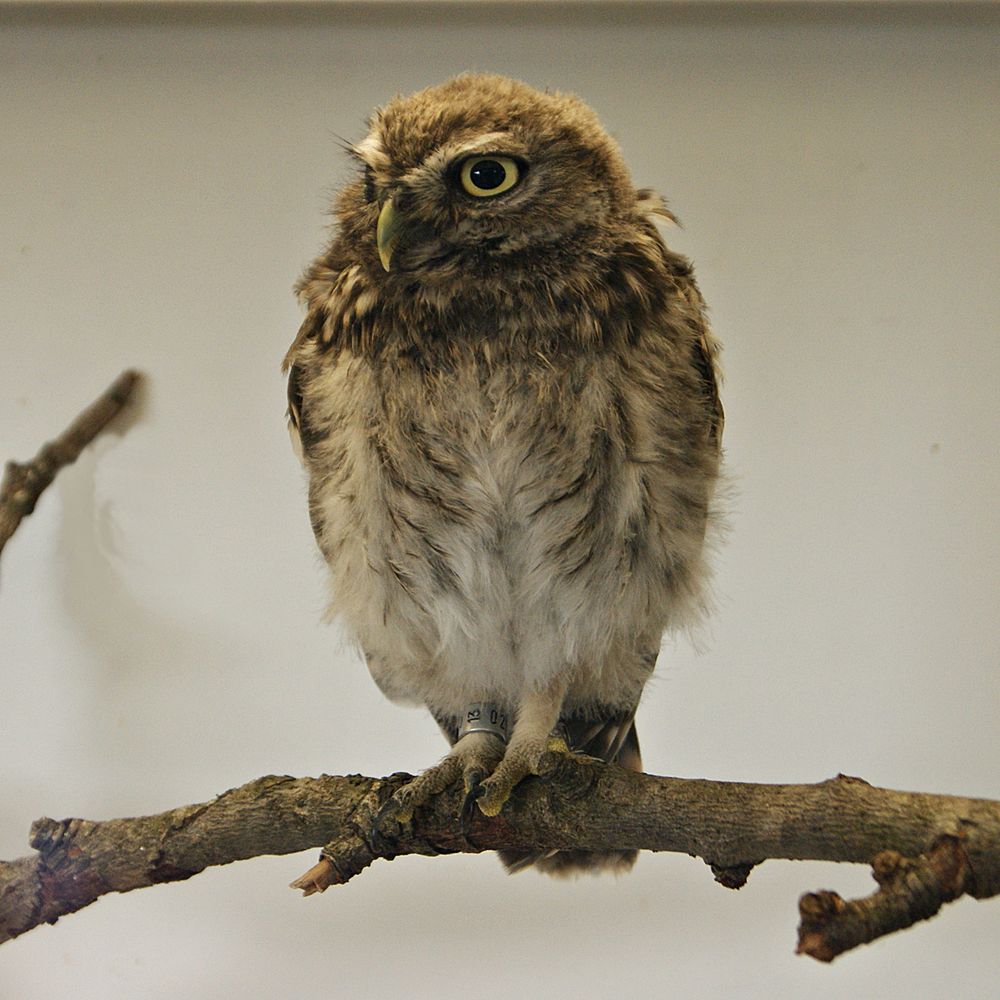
926, 849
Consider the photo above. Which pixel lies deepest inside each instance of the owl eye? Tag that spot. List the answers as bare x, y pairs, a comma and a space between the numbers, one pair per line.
486, 176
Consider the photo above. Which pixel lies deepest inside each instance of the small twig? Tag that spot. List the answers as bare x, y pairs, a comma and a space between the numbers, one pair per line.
24, 483
910, 890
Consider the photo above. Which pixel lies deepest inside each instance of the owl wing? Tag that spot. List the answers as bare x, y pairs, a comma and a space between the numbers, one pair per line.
332, 290
295, 377
705, 348
705, 355
314, 331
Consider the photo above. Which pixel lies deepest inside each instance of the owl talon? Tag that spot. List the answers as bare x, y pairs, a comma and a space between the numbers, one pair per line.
529, 760
472, 758
473, 792
556, 751
473, 788
404, 802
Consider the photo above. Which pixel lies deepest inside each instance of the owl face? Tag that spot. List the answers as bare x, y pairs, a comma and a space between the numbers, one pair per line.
482, 173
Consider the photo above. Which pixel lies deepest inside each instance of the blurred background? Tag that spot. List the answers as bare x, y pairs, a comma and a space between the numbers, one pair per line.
166, 172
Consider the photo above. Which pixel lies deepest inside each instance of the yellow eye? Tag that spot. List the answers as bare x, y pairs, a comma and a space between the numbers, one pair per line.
485, 176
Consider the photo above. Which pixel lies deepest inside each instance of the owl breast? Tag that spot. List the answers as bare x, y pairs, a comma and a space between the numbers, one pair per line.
490, 525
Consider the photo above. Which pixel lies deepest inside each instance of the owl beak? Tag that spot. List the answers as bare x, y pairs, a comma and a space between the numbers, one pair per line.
387, 233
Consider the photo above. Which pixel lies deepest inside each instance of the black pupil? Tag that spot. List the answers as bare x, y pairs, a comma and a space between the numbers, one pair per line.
487, 175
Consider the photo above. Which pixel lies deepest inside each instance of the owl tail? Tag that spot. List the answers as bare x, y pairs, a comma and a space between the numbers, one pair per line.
614, 740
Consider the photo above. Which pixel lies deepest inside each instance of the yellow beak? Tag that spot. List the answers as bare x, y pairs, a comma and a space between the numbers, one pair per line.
387, 233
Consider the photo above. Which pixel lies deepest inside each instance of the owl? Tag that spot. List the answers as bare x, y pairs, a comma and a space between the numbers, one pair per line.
504, 394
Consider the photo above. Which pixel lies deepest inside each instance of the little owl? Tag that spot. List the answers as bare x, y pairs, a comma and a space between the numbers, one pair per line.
505, 396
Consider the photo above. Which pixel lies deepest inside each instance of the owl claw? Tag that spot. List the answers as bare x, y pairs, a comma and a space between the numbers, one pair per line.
473, 791
472, 758
473, 786
404, 802
530, 759
473, 761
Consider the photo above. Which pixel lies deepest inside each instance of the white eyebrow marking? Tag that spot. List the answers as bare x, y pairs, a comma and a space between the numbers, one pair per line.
490, 142
370, 150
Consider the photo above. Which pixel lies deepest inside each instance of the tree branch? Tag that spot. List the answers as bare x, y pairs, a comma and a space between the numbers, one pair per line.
23, 484
954, 843
925, 850
909, 890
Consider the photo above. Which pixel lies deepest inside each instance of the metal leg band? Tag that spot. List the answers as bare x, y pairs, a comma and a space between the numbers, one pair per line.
485, 717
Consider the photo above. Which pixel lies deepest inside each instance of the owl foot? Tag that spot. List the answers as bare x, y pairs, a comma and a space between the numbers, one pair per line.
471, 758
522, 759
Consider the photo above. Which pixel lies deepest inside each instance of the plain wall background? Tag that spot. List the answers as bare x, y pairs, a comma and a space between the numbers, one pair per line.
165, 178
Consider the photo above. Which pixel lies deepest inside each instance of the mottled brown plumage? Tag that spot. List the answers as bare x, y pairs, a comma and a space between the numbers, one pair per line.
508, 411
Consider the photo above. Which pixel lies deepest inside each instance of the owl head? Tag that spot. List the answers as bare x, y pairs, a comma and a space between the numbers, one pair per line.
482, 175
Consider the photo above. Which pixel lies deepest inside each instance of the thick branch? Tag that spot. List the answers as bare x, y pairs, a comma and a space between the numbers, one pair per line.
584, 805
23, 484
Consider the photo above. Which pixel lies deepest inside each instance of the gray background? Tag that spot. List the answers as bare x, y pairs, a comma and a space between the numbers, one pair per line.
164, 179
